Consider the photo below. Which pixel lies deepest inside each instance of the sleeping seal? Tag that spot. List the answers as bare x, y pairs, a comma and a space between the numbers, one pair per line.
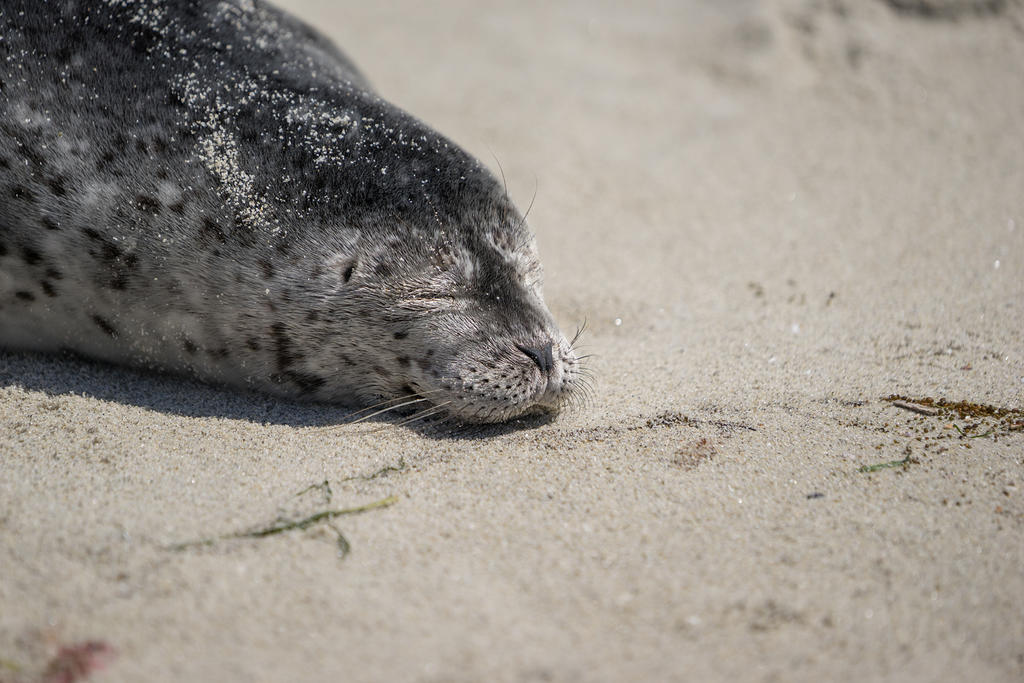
212, 188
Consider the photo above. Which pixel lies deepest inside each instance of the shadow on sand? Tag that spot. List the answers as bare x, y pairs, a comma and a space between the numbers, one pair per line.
67, 375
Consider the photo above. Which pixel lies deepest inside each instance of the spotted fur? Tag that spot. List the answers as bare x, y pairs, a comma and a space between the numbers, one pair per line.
213, 188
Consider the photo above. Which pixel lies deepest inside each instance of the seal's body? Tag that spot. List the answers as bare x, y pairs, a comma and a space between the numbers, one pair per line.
212, 188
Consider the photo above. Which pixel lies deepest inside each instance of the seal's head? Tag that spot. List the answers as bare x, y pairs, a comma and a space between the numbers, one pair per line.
452, 314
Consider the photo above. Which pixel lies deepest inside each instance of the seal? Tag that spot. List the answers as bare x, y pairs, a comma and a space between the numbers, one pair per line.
212, 188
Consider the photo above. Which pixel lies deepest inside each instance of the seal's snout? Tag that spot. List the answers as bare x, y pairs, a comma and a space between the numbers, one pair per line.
541, 355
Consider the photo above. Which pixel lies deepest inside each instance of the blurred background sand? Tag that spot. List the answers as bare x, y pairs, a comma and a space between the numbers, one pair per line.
772, 215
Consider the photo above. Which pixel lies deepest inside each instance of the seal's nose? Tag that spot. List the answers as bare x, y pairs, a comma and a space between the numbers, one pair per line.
541, 355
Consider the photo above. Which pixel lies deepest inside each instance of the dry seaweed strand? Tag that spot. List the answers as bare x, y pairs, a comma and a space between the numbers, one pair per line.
282, 526
907, 461
383, 471
324, 487
1007, 419
904, 463
963, 409
995, 422
916, 408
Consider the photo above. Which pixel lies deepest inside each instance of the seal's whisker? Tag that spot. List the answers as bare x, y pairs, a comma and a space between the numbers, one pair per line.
446, 419
526, 238
584, 373
425, 413
584, 392
504, 184
579, 333
536, 186
579, 402
396, 399
388, 409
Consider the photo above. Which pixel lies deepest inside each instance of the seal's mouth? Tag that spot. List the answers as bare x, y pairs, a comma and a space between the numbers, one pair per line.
537, 380
479, 379
528, 378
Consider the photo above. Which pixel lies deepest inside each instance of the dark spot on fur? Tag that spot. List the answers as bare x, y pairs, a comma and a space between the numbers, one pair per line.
250, 136
106, 159
404, 362
3, 249
22, 192
120, 266
73, 41
104, 325
148, 204
283, 351
178, 208
210, 231
267, 267
347, 361
54, 274
145, 39
25, 296
383, 270
423, 363
31, 256
219, 354
243, 233
346, 275
57, 186
313, 316
252, 344
4, 163
162, 174
306, 382
286, 356
189, 346
401, 335
381, 371
110, 251
49, 223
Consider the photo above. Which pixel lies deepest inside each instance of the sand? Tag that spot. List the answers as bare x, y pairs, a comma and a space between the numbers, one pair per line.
772, 216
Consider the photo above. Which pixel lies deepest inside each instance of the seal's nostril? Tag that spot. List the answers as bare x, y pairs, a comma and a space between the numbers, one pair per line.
541, 355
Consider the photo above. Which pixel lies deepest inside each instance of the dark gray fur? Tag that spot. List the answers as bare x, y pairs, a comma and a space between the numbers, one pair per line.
213, 188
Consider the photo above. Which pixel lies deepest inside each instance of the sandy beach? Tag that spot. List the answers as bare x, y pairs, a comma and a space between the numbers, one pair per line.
778, 219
